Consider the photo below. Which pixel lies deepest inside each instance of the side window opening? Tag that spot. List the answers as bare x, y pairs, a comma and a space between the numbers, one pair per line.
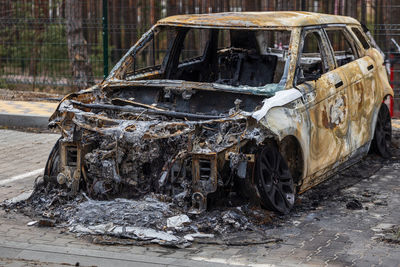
311, 62
361, 37
343, 49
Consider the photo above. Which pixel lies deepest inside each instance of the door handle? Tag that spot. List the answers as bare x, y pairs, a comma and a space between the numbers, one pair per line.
338, 84
370, 67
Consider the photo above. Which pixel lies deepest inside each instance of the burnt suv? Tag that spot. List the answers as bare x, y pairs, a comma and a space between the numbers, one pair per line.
266, 104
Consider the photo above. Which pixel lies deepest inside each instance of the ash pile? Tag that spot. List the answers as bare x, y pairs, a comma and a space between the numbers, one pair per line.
152, 218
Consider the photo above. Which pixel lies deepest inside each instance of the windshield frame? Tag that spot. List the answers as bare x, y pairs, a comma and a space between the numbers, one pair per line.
118, 71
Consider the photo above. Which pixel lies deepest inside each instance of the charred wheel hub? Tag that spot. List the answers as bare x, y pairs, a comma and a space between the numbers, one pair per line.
274, 180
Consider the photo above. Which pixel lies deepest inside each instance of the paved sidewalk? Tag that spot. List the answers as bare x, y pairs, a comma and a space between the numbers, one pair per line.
328, 236
25, 113
27, 107
22, 158
321, 231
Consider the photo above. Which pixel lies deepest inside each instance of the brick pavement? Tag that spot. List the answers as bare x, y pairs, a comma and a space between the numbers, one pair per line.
25, 113
21, 152
27, 107
325, 235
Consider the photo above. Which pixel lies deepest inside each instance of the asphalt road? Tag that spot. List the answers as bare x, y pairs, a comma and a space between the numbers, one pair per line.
321, 231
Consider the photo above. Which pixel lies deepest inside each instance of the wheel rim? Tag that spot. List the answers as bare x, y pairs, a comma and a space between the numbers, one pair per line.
383, 131
274, 181
52, 165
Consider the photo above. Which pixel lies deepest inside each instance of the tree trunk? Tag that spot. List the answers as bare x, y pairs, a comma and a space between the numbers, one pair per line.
115, 33
171, 8
152, 12
40, 12
363, 12
3, 37
77, 45
129, 15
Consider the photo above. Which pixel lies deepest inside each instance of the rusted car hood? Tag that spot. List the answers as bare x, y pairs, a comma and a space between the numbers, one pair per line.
77, 108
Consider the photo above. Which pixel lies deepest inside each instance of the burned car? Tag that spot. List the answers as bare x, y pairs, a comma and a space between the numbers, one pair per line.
265, 104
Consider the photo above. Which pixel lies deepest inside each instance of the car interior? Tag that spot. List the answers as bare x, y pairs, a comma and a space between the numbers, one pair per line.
229, 57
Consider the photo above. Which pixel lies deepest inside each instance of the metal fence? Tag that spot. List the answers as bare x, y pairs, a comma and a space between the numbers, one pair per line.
34, 47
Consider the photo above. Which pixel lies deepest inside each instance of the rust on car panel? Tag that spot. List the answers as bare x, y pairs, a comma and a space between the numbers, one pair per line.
256, 19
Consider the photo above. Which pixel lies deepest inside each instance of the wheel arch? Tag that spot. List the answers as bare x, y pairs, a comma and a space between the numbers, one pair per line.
292, 151
376, 112
290, 128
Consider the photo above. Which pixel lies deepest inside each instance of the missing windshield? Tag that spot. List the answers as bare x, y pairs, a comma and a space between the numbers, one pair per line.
235, 58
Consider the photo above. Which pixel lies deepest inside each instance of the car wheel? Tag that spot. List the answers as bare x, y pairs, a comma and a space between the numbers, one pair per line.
274, 180
383, 133
52, 165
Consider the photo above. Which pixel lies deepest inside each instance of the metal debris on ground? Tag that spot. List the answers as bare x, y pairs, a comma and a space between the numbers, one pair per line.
354, 204
387, 232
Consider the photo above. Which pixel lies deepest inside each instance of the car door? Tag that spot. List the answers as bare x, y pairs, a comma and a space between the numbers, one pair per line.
371, 97
325, 95
359, 74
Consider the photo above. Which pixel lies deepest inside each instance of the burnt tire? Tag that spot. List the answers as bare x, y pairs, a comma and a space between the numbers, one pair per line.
52, 165
383, 133
274, 180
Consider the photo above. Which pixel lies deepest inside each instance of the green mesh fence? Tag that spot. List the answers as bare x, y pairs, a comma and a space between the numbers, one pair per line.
34, 39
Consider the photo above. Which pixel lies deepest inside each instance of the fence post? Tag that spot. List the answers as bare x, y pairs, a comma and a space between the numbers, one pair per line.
105, 37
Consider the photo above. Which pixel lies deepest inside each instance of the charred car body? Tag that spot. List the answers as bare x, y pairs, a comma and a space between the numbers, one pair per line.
266, 104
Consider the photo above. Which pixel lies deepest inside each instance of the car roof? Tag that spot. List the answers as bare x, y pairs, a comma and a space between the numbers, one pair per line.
275, 19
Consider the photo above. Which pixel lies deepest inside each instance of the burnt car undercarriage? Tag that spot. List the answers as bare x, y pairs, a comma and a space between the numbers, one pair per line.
129, 149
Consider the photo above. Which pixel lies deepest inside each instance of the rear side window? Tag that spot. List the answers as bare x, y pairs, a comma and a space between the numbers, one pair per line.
343, 48
311, 65
361, 38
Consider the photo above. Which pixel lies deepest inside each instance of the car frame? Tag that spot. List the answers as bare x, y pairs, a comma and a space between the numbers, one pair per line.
325, 113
